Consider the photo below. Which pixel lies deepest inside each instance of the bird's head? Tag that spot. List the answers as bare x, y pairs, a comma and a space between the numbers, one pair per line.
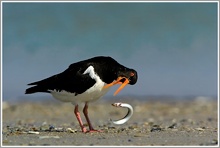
124, 76
128, 75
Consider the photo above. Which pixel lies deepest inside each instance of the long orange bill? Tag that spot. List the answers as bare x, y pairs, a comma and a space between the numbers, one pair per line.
122, 86
113, 83
118, 82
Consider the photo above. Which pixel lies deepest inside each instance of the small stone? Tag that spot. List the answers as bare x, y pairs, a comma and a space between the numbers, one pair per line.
214, 141
173, 126
71, 130
33, 132
59, 129
51, 127
199, 129
156, 128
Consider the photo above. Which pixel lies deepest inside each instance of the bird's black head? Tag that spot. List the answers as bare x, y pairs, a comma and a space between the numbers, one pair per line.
124, 76
129, 74
110, 70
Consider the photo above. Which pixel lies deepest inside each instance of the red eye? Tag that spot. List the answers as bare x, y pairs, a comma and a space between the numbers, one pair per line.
131, 74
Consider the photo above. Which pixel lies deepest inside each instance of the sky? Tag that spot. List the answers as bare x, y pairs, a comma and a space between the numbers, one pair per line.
172, 46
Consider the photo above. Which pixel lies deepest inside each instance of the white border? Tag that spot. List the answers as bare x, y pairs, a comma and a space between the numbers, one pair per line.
218, 68
144, 1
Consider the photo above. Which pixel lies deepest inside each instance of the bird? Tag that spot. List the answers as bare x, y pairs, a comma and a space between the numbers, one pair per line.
85, 81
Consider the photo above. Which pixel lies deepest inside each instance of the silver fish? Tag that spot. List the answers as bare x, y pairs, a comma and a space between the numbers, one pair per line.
127, 116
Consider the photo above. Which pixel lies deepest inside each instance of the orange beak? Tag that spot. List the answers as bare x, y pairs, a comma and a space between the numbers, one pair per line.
118, 82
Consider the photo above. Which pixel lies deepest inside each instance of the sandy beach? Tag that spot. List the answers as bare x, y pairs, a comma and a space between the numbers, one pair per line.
155, 122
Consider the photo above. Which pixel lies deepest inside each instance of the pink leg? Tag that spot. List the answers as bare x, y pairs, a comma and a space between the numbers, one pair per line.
76, 111
85, 111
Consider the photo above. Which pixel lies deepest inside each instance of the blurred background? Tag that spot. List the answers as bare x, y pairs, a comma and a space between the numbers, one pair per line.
173, 46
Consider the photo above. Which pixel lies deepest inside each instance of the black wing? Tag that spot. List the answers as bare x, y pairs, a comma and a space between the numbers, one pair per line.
71, 80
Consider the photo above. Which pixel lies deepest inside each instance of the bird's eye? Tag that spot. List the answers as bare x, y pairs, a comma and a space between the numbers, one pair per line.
131, 74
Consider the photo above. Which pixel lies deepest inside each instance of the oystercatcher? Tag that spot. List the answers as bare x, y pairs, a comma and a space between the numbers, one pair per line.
85, 81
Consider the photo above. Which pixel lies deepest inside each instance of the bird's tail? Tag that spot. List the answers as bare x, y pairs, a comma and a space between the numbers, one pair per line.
35, 89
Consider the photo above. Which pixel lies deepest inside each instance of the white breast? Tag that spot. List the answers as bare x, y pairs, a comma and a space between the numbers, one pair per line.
92, 94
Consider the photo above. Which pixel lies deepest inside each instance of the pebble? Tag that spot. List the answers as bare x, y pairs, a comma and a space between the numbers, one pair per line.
214, 141
199, 129
51, 127
33, 132
156, 128
173, 126
59, 129
71, 130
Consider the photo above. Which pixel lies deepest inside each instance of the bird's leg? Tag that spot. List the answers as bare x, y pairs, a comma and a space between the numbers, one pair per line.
85, 111
76, 111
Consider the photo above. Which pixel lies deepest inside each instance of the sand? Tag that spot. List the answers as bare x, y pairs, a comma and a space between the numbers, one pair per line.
155, 122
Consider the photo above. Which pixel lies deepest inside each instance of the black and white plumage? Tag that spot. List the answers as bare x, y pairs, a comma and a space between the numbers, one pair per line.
85, 81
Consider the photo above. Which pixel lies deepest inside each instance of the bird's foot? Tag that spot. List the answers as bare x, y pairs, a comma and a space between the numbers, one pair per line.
90, 131
84, 130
